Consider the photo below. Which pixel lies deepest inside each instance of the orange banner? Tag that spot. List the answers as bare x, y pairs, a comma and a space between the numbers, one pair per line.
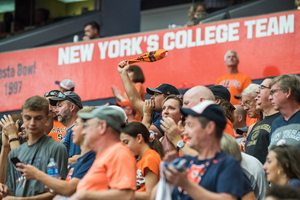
267, 45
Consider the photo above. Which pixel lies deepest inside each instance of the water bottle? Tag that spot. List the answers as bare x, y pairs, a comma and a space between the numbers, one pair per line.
52, 170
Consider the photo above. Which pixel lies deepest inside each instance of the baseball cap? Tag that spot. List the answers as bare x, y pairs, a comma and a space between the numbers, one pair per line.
70, 96
66, 84
126, 104
114, 117
221, 91
164, 88
240, 131
209, 110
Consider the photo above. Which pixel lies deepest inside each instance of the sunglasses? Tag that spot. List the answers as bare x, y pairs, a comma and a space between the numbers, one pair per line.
52, 93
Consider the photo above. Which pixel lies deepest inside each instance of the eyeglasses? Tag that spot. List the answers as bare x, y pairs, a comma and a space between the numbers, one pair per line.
273, 91
246, 103
52, 93
261, 87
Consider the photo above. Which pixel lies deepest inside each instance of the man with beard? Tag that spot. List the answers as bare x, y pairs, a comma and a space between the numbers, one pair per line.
58, 130
67, 105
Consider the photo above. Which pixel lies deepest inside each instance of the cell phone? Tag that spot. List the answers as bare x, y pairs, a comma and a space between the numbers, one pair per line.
15, 160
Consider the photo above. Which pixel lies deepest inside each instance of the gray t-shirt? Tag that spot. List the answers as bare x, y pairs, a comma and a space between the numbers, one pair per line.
45, 148
256, 174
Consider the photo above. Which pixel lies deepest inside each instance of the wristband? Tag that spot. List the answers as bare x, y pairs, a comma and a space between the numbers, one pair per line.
13, 139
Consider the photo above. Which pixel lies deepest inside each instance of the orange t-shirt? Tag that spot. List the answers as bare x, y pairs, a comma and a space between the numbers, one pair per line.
235, 83
114, 168
58, 131
251, 121
150, 160
229, 129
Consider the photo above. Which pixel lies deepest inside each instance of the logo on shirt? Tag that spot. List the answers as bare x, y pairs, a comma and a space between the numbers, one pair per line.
229, 83
139, 179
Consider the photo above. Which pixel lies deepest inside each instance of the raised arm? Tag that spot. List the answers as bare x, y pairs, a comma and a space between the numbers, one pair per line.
131, 92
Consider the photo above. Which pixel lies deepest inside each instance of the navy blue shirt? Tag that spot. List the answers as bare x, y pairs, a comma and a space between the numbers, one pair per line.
155, 119
73, 149
222, 174
79, 169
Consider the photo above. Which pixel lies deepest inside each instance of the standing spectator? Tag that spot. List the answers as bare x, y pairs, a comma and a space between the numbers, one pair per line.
158, 95
91, 31
282, 166
67, 105
37, 152
113, 173
258, 139
66, 85
208, 173
285, 98
139, 140
234, 81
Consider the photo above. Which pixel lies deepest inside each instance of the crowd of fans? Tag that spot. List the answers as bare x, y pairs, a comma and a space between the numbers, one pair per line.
233, 140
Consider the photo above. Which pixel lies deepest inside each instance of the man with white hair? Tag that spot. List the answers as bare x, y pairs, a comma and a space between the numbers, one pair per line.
234, 81
248, 101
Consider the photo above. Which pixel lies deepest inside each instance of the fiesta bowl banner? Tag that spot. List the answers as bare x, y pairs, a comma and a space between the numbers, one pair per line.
266, 45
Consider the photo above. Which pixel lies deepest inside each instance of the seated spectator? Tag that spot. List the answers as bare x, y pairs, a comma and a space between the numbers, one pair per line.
239, 116
137, 77
138, 139
285, 98
158, 95
91, 31
243, 133
59, 130
67, 105
37, 152
113, 173
282, 192
208, 173
171, 114
66, 85
258, 139
252, 168
282, 166
191, 98
13, 134
129, 111
248, 103
76, 171
222, 98
196, 11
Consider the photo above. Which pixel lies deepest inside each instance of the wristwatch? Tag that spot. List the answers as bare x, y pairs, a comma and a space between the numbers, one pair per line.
180, 144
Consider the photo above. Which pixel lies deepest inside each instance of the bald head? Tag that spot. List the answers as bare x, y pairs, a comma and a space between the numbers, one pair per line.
240, 111
239, 117
197, 94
